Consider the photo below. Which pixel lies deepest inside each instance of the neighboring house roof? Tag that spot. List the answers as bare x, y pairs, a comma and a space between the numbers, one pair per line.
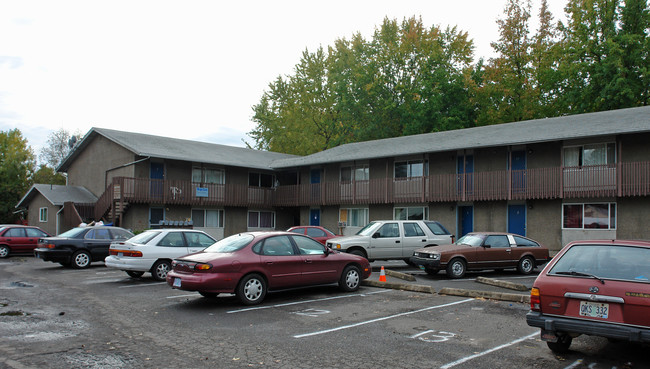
146, 145
607, 123
58, 194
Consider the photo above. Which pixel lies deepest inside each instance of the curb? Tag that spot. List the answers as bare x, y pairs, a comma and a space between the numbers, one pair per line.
399, 286
514, 297
404, 276
504, 284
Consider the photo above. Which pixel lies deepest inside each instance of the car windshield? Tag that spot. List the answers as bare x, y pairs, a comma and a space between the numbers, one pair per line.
144, 237
74, 232
471, 239
368, 230
605, 262
231, 244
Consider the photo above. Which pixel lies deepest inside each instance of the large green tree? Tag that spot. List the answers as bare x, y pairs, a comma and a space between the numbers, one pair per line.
16, 166
408, 79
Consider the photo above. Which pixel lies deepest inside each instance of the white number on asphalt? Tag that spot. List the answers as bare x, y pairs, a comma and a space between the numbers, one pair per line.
434, 336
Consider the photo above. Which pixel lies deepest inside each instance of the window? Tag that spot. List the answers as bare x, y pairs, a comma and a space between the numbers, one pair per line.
413, 230
196, 239
358, 173
497, 241
261, 180
436, 228
42, 215
414, 213
278, 246
98, 234
32, 232
594, 154
589, 216
207, 175
315, 232
172, 239
261, 219
354, 217
15, 232
307, 246
410, 169
389, 230
524, 242
207, 218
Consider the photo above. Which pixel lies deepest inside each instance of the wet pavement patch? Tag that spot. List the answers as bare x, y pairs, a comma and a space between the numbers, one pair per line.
13, 313
20, 284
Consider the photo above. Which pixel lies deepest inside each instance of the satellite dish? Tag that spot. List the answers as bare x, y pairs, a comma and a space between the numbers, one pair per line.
72, 141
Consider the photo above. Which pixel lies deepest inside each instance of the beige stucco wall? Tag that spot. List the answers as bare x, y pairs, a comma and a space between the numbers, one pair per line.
33, 214
632, 222
90, 167
490, 216
544, 222
445, 214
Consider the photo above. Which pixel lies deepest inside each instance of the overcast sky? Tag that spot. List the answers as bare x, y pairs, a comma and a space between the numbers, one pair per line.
190, 69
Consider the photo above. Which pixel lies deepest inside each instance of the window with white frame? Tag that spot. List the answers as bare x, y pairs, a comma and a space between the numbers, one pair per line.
593, 154
261, 219
42, 215
355, 173
208, 175
411, 169
411, 213
589, 216
207, 218
354, 217
261, 180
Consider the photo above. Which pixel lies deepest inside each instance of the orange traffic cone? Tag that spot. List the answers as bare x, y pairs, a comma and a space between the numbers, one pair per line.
382, 275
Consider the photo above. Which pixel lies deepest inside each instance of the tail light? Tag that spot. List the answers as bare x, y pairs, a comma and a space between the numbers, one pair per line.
129, 253
202, 267
535, 300
453, 239
46, 245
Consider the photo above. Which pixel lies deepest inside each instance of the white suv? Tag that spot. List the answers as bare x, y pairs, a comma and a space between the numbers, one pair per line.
392, 239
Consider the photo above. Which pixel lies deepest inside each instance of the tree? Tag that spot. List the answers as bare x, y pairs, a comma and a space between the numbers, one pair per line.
408, 79
47, 175
16, 166
58, 147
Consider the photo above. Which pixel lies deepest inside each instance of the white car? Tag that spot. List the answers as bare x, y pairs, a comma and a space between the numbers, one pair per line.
153, 251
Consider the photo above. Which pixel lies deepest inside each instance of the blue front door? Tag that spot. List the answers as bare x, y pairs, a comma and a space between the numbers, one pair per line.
314, 217
315, 184
465, 170
517, 219
466, 220
157, 174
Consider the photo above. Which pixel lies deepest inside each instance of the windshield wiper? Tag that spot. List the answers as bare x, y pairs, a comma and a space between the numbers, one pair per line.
580, 274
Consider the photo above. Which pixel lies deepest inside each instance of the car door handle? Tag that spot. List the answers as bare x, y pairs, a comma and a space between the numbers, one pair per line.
269, 262
424, 240
308, 261
8, 239
397, 241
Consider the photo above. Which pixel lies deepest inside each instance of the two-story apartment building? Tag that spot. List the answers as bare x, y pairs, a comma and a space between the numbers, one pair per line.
555, 180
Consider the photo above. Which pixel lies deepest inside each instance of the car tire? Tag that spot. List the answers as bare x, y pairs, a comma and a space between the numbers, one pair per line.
562, 345
65, 264
81, 259
350, 278
134, 274
209, 295
526, 265
456, 268
251, 289
358, 252
160, 269
431, 271
4, 251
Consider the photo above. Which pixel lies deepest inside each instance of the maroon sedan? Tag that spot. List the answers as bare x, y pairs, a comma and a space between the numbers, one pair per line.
599, 288
17, 239
320, 234
250, 264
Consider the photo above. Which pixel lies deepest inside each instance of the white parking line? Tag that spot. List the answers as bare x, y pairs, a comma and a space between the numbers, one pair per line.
305, 302
468, 358
380, 319
179, 296
143, 285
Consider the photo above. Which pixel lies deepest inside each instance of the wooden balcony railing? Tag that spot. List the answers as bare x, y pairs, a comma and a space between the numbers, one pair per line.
624, 179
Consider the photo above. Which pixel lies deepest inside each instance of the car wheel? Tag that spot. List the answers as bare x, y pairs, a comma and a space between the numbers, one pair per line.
133, 274
562, 344
358, 252
456, 268
209, 295
431, 271
251, 289
526, 265
81, 259
4, 251
350, 278
160, 270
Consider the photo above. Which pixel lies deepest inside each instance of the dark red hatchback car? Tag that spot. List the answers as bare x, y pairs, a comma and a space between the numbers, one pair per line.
320, 234
598, 288
250, 264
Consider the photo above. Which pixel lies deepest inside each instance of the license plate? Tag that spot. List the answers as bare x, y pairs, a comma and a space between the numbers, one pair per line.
594, 310
177, 283
421, 267
119, 254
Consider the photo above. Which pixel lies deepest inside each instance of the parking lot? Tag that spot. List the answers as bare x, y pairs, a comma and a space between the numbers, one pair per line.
100, 318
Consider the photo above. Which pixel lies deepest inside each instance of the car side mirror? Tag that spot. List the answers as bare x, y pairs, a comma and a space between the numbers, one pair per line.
327, 251
487, 246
